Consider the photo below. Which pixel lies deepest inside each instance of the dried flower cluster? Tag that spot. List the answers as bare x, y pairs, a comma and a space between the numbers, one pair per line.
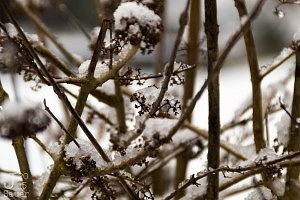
137, 24
20, 119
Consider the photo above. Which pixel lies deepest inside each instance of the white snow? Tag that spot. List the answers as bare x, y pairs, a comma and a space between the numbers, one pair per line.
266, 154
285, 52
86, 149
260, 193
282, 127
11, 30
101, 68
141, 13
158, 125
13, 33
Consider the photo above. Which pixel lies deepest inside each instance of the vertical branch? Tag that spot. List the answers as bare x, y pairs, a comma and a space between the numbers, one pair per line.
160, 54
190, 75
168, 71
27, 184
258, 119
158, 177
213, 157
120, 108
292, 176
258, 128
192, 50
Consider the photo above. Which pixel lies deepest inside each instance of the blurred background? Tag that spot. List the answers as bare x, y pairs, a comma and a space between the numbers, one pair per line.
271, 32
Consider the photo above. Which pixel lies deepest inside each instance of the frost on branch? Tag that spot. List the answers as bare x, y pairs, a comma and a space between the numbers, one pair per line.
137, 24
20, 118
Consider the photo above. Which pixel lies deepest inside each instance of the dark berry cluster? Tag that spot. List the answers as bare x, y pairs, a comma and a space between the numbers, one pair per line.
102, 189
76, 174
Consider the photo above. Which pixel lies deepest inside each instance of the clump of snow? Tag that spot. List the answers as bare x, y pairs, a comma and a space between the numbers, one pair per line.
266, 154
101, 68
22, 118
158, 125
260, 193
132, 151
11, 30
86, 150
141, 13
183, 135
137, 24
13, 33
54, 148
108, 87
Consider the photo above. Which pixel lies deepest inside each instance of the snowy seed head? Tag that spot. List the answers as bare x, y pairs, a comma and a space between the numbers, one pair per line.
137, 24
21, 119
14, 56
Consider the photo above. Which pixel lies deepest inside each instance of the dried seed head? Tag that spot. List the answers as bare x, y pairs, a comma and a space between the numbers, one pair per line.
22, 119
14, 56
137, 24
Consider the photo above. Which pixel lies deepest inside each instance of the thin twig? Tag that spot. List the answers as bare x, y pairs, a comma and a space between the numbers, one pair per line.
42, 145
274, 66
252, 168
60, 124
219, 63
170, 67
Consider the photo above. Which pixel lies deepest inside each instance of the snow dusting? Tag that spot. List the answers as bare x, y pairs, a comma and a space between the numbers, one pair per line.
101, 68
158, 125
86, 150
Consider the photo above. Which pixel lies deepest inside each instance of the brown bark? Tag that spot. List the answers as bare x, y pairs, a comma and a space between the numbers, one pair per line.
213, 157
